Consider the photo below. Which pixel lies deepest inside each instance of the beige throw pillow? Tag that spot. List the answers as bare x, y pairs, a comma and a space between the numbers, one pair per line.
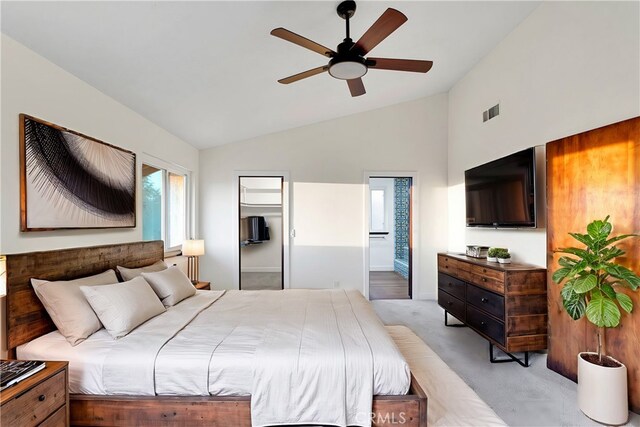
130, 273
121, 307
67, 306
171, 285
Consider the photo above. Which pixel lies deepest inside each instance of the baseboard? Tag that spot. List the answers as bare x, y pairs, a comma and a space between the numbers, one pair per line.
381, 268
427, 296
261, 270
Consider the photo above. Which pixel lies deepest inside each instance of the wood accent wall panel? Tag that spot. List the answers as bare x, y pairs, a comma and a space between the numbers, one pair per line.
589, 176
27, 318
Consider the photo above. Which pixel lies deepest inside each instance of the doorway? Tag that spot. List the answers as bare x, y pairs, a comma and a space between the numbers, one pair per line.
261, 232
390, 237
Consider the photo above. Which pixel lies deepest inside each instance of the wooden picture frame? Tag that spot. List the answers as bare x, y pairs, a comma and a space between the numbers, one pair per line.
69, 180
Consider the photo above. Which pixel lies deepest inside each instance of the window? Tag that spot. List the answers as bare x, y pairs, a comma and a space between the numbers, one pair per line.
164, 205
378, 222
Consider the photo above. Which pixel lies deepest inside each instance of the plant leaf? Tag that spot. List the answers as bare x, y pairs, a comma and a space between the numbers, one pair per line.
599, 230
578, 268
585, 283
608, 254
602, 312
625, 302
582, 253
623, 273
582, 238
575, 305
567, 290
565, 261
607, 289
560, 274
618, 238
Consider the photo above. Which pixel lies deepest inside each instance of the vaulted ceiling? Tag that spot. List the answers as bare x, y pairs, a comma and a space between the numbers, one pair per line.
207, 71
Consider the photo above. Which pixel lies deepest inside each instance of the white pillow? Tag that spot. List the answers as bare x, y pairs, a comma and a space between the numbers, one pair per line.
130, 273
67, 306
171, 285
122, 307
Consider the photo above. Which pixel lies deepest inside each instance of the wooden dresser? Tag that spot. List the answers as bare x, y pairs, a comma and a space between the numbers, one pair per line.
505, 303
40, 400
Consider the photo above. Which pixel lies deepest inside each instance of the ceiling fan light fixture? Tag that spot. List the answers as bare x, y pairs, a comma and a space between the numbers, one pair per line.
347, 70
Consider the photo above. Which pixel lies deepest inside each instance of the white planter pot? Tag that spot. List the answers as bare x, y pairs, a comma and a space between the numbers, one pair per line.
492, 259
504, 260
602, 392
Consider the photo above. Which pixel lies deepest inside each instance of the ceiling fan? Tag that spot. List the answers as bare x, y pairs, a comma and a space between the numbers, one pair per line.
349, 62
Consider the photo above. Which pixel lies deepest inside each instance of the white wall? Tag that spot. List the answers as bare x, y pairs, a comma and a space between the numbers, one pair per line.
381, 248
569, 67
35, 86
327, 162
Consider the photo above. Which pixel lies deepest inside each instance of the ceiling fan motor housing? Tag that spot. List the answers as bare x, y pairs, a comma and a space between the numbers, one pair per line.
347, 67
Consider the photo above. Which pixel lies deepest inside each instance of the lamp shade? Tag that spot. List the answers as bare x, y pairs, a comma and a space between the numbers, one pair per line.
193, 247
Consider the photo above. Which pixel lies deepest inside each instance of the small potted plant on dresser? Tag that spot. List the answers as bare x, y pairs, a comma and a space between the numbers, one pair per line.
592, 281
491, 254
504, 257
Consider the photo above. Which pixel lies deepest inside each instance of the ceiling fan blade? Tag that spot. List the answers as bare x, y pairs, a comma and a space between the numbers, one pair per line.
356, 87
302, 41
303, 75
399, 64
388, 22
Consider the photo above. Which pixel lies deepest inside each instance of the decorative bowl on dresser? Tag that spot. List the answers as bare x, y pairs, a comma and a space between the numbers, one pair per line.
39, 400
506, 304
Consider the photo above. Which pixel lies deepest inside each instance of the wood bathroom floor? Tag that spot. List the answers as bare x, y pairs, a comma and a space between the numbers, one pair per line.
387, 285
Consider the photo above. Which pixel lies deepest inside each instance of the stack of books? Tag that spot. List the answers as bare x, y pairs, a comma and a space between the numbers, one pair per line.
14, 371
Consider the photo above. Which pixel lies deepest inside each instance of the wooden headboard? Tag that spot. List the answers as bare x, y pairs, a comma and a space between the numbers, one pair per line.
26, 317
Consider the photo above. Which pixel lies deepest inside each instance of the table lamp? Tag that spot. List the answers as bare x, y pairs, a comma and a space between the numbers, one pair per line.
192, 249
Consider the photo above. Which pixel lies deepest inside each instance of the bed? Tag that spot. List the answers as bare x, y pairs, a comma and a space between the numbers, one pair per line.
27, 320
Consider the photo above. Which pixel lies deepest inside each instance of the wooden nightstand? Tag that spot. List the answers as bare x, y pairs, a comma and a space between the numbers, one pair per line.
203, 286
42, 399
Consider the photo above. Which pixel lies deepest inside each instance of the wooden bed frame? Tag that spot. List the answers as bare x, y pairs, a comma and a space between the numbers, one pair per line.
27, 319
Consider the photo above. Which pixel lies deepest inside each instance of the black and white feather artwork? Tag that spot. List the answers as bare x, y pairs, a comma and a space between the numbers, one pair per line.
73, 181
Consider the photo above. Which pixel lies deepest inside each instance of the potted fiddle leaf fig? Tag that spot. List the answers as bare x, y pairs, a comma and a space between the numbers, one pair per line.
592, 283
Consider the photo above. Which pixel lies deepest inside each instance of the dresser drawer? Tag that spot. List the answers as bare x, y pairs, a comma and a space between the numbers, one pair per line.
484, 323
489, 273
487, 282
36, 404
485, 277
452, 304
486, 301
451, 285
57, 419
447, 264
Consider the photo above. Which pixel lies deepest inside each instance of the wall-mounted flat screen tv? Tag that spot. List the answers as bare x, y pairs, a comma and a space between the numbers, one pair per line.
502, 193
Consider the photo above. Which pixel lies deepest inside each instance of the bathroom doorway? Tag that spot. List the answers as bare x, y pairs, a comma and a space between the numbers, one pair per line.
261, 232
390, 237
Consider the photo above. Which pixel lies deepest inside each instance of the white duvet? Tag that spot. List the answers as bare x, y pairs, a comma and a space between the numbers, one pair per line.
304, 356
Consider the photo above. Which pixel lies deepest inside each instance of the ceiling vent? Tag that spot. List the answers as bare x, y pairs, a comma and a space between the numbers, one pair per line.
491, 113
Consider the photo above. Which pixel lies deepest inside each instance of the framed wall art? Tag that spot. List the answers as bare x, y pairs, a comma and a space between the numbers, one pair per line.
72, 181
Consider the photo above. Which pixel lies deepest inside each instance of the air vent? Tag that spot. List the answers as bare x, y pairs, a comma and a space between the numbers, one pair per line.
491, 113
